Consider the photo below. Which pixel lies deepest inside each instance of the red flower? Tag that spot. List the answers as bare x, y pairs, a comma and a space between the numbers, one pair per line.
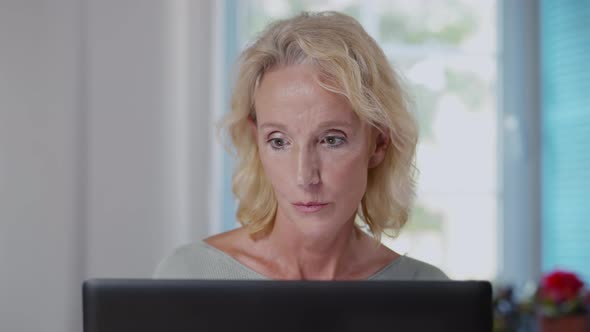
561, 286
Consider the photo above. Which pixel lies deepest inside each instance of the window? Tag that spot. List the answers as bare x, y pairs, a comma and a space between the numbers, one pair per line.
446, 50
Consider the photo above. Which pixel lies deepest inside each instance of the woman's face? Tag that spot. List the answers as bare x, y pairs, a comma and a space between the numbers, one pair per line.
314, 150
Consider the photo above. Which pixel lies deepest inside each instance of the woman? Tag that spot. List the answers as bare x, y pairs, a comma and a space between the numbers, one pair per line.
325, 145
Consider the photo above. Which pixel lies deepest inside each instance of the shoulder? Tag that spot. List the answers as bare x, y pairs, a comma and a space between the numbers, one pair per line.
407, 268
184, 261
200, 261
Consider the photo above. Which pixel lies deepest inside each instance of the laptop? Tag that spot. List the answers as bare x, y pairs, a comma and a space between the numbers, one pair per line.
148, 305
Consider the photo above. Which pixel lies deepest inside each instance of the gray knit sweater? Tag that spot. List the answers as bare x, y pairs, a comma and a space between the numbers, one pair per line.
202, 261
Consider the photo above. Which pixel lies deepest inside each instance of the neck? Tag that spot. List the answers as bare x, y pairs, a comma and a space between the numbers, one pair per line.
313, 255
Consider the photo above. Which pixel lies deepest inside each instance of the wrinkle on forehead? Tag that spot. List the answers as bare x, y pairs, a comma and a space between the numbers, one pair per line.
295, 89
293, 93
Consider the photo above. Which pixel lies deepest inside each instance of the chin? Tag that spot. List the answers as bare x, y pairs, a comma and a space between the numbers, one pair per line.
317, 226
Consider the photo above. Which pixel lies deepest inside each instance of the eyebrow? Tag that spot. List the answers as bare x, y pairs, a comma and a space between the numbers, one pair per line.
321, 125
272, 125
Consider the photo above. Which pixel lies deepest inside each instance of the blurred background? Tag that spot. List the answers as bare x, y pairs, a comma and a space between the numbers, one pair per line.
108, 155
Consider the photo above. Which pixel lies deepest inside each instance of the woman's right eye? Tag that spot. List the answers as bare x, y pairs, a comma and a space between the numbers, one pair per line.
277, 143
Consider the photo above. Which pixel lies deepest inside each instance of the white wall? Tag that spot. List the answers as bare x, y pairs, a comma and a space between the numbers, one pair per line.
142, 135
104, 146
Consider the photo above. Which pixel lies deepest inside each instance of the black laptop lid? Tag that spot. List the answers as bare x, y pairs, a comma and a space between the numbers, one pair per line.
115, 305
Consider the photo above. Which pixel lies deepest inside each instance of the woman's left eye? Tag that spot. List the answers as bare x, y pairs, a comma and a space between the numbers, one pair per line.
333, 141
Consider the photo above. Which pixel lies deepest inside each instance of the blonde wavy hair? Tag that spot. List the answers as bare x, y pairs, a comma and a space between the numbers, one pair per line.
350, 63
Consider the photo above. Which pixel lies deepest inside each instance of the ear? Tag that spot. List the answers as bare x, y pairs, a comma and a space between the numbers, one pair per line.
382, 142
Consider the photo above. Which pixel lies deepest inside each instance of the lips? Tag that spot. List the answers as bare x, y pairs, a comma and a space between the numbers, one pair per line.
309, 207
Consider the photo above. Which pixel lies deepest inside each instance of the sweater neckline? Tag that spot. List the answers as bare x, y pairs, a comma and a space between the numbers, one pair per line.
244, 267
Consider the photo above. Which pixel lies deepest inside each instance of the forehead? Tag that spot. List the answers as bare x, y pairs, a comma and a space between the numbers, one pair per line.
291, 95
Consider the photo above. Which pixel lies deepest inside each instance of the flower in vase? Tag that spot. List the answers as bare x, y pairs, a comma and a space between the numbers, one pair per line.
561, 293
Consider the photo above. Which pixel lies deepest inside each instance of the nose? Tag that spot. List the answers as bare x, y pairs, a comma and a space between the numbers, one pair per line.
307, 168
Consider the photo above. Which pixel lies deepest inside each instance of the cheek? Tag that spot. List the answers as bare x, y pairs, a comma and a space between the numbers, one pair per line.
346, 176
278, 170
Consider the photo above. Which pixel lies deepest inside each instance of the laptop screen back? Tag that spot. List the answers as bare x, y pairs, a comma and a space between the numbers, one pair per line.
116, 305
